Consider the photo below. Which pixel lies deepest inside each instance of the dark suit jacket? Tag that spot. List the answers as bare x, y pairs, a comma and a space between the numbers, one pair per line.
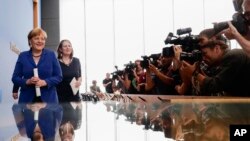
48, 70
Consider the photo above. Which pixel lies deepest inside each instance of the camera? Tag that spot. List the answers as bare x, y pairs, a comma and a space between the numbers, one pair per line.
168, 51
188, 43
116, 73
129, 67
191, 57
150, 59
238, 21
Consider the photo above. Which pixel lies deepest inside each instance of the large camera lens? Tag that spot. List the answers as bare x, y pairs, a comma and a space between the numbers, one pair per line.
238, 21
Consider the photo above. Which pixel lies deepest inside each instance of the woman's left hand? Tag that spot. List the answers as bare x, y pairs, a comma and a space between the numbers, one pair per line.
41, 83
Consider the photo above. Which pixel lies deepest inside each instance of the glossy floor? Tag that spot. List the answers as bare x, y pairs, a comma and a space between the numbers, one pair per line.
122, 118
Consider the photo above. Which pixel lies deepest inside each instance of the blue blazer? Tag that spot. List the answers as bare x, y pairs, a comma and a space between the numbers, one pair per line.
48, 69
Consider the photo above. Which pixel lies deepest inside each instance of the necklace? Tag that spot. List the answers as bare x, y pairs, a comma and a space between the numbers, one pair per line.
36, 55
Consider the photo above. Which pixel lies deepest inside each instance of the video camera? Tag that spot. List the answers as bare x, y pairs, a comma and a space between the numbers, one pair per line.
150, 59
116, 73
188, 43
239, 21
129, 67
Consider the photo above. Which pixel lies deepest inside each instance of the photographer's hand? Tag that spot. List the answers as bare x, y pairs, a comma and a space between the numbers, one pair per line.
153, 69
177, 54
231, 32
243, 41
186, 71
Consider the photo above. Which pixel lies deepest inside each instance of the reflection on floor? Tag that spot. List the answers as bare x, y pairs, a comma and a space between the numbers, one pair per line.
126, 117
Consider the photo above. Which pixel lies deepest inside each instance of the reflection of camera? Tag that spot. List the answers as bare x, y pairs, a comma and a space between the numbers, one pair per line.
191, 57
238, 21
188, 43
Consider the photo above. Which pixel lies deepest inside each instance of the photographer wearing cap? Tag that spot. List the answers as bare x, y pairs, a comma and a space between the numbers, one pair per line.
233, 78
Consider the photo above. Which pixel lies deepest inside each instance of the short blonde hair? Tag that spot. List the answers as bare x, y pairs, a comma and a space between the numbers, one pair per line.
36, 31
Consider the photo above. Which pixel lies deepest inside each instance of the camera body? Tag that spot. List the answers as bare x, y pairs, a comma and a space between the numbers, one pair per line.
117, 73
168, 51
150, 59
129, 67
191, 57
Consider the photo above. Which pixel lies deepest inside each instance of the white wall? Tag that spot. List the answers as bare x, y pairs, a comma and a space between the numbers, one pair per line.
105, 33
114, 32
16, 21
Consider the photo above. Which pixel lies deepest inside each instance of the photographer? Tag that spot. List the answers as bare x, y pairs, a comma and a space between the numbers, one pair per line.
232, 32
107, 83
140, 77
162, 81
233, 78
127, 78
184, 87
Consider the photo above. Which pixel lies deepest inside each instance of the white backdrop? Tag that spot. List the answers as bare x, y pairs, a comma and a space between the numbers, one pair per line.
105, 33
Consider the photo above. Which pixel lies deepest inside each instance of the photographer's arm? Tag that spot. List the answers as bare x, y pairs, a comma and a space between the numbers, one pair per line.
166, 79
183, 88
137, 78
105, 85
127, 82
232, 33
149, 82
188, 71
176, 59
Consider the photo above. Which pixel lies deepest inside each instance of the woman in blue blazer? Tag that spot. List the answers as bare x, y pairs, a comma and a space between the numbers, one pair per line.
40, 85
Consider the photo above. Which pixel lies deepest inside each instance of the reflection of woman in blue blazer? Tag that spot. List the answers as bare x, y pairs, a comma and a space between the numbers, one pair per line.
46, 124
49, 71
